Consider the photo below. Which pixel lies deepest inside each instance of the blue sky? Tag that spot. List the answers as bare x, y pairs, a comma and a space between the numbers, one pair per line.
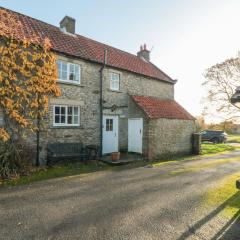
187, 36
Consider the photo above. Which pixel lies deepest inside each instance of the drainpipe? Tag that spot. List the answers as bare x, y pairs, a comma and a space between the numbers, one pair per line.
101, 101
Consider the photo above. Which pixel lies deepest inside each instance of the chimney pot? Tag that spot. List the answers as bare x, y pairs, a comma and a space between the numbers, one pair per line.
144, 53
68, 23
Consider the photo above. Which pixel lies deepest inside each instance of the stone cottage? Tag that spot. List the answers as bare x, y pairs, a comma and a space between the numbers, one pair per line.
133, 97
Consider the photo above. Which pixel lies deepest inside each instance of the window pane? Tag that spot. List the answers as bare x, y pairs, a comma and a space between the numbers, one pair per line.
57, 119
114, 81
72, 68
77, 77
63, 119
107, 124
115, 77
63, 110
75, 110
115, 85
77, 73
71, 72
57, 110
75, 119
71, 76
70, 110
111, 125
64, 66
69, 120
64, 76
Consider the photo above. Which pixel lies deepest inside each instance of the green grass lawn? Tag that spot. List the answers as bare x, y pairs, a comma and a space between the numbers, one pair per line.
210, 148
56, 172
66, 170
80, 168
234, 138
225, 197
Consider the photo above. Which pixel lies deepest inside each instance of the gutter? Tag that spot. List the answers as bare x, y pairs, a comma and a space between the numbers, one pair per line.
171, 81
101, 101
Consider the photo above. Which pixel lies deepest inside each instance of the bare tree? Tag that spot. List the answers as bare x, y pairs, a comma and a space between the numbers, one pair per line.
221, 82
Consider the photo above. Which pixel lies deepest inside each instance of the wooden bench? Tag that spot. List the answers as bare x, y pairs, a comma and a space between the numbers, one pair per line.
238, 184
64, 152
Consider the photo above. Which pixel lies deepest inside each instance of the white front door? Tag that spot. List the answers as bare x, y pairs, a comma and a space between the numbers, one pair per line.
135, 129
110, 134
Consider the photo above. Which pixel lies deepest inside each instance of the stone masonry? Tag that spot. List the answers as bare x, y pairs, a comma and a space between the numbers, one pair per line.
86, 95
169, 137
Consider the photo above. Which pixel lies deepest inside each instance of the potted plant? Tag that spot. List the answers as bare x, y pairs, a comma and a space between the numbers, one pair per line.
115, 156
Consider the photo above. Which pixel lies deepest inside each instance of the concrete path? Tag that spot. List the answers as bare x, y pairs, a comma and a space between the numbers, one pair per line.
144, 203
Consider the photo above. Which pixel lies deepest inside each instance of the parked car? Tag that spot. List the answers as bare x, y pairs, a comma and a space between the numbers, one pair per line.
214, 136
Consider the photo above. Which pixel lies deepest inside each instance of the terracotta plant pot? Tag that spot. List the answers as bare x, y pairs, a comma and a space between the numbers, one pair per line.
115, 156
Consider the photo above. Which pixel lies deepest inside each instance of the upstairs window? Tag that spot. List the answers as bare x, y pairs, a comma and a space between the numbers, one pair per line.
68, 72
115, 81
66, 116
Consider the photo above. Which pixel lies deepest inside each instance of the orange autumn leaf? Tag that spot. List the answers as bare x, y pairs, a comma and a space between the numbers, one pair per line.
28, 75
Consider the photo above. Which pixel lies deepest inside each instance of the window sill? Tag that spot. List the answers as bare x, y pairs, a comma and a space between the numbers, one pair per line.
116, 91
70, 83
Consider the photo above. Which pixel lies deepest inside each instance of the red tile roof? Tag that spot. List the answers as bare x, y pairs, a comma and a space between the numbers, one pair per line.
162, 108
85, 48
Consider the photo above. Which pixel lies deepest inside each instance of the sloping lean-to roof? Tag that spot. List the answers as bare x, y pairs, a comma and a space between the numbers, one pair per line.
162, 108
85, 48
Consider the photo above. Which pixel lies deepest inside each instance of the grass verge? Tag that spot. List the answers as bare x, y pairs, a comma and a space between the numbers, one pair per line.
55, 172
209, 148
226, 197
80, 168
66, 170
202, 166
234, 138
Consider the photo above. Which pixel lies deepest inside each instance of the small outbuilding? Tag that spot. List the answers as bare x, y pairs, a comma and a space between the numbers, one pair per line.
164, 127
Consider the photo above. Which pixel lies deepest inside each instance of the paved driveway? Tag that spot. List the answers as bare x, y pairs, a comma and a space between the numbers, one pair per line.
142, 203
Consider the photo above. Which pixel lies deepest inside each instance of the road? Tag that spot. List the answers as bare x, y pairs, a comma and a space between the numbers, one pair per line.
164, 202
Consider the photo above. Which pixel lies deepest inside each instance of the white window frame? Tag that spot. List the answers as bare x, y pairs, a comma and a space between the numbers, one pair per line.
68, 72
66, 116
114, 81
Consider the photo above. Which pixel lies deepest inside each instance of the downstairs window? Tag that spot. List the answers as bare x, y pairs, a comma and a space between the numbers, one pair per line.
66, 116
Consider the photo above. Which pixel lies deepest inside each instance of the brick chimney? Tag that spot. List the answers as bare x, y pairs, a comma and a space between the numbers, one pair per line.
144, 53
68, 24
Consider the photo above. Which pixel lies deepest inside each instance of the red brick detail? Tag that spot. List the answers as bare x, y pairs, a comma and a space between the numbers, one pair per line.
158, 108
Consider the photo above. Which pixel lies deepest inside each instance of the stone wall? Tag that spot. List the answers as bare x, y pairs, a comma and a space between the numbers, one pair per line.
86, 96
160, 137
169, 137
130, 84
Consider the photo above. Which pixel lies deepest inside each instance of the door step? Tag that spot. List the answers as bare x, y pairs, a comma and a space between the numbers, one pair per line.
124, 159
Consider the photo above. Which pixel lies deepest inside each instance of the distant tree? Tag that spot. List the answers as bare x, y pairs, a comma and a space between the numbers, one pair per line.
28, 77
226, 126
221, 81
200, 123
